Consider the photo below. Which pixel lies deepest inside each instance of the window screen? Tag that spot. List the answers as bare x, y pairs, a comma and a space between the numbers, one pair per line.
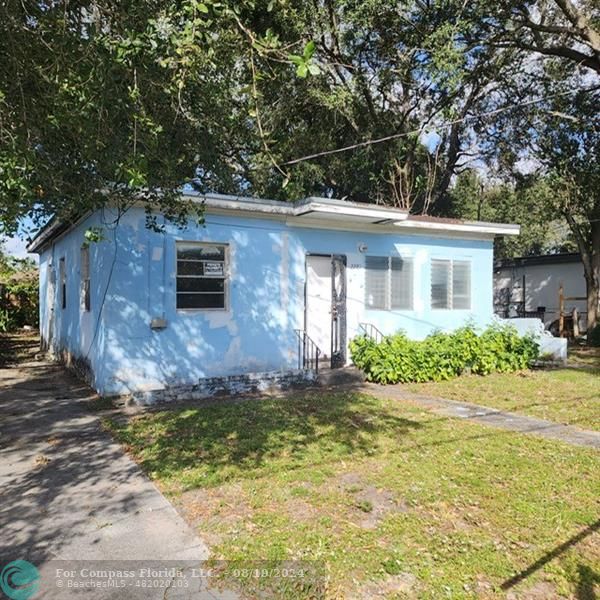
389, 283
85, 277
201, 275
376, 284
451, 284
440, 283
461, 285
401, 283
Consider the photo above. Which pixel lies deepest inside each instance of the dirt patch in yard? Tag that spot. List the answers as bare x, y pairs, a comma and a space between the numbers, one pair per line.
350, 481
221, 511
300, 510
373, 504
370, 504
391, 587
448, 518
543, 590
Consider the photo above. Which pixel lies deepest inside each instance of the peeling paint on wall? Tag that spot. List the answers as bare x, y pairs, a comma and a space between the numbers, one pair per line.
266, 298
227, 386
217, 320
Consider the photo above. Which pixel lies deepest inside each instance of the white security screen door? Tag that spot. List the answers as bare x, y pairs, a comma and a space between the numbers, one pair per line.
318, 302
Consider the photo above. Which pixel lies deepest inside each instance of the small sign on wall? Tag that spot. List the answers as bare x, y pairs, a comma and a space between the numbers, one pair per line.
213, 269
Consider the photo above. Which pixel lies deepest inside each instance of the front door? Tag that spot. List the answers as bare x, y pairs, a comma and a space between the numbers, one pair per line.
326, 306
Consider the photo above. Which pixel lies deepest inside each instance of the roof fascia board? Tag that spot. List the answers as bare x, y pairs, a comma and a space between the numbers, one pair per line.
292, 213
49, 237
350, 209
537, 260
466, 227
241, 203
308, 205
300, 222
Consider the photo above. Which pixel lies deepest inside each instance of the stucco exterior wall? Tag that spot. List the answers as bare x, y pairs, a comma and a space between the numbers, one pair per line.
266, 297
73, 333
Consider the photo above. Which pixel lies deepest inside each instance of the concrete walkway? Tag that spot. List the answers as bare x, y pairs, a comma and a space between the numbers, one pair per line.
491, 416
68, 492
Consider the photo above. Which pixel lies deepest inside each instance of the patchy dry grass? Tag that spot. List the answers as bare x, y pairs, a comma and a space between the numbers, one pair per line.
569, 396
18, 347
383, 499
584, 356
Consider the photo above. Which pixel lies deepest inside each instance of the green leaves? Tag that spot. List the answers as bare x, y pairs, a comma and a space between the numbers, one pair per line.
442, 356
19, 293
93, 235
305, 64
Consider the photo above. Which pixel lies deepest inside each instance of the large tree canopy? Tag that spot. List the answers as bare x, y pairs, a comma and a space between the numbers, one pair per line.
92, 106
122, 101
104, 101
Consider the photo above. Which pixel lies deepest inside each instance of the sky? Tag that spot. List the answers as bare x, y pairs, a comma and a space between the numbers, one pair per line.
16, 247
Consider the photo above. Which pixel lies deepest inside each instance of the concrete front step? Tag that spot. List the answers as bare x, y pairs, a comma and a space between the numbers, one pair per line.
341, 376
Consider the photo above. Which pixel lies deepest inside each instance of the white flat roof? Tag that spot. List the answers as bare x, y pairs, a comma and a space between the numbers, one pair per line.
324, 213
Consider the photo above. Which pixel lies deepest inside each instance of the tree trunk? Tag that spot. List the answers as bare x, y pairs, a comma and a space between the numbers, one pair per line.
593, 291
592, 279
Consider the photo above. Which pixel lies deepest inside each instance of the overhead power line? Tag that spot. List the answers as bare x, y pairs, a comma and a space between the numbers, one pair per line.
394, 136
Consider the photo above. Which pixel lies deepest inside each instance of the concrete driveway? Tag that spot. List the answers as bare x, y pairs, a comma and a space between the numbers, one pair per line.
70, 498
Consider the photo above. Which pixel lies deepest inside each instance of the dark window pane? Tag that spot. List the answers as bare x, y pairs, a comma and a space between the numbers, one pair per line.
197, 284
86, 294
63, 282
185, 267
200, 252
200, 300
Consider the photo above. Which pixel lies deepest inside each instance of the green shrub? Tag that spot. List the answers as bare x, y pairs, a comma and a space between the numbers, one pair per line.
19, 304
594, 337
443, 356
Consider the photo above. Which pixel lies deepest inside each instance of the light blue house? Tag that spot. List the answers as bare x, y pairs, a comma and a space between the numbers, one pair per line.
255, 294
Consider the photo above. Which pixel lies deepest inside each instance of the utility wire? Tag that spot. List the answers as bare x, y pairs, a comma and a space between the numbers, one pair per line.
394, 136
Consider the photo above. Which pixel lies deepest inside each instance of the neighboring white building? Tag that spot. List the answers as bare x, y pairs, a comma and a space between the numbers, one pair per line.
530, 284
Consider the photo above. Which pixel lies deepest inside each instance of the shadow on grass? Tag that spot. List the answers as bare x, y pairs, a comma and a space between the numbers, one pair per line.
207, 445
586, 575
589, 580
590, 369
16, 347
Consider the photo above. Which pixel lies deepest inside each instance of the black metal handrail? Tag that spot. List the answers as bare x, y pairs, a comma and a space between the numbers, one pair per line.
308, 351
372, 331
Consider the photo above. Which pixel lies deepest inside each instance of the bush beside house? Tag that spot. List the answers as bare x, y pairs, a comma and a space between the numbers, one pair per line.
19, 293
441, 356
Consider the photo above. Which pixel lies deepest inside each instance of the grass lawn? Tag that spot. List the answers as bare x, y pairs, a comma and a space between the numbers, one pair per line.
381, 498
569, 395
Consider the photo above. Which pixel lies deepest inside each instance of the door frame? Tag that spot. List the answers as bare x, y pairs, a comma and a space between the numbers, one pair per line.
337, 359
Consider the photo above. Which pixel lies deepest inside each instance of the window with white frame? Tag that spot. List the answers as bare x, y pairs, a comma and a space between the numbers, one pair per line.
450, 284
389, 282
85, 278
201, 276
